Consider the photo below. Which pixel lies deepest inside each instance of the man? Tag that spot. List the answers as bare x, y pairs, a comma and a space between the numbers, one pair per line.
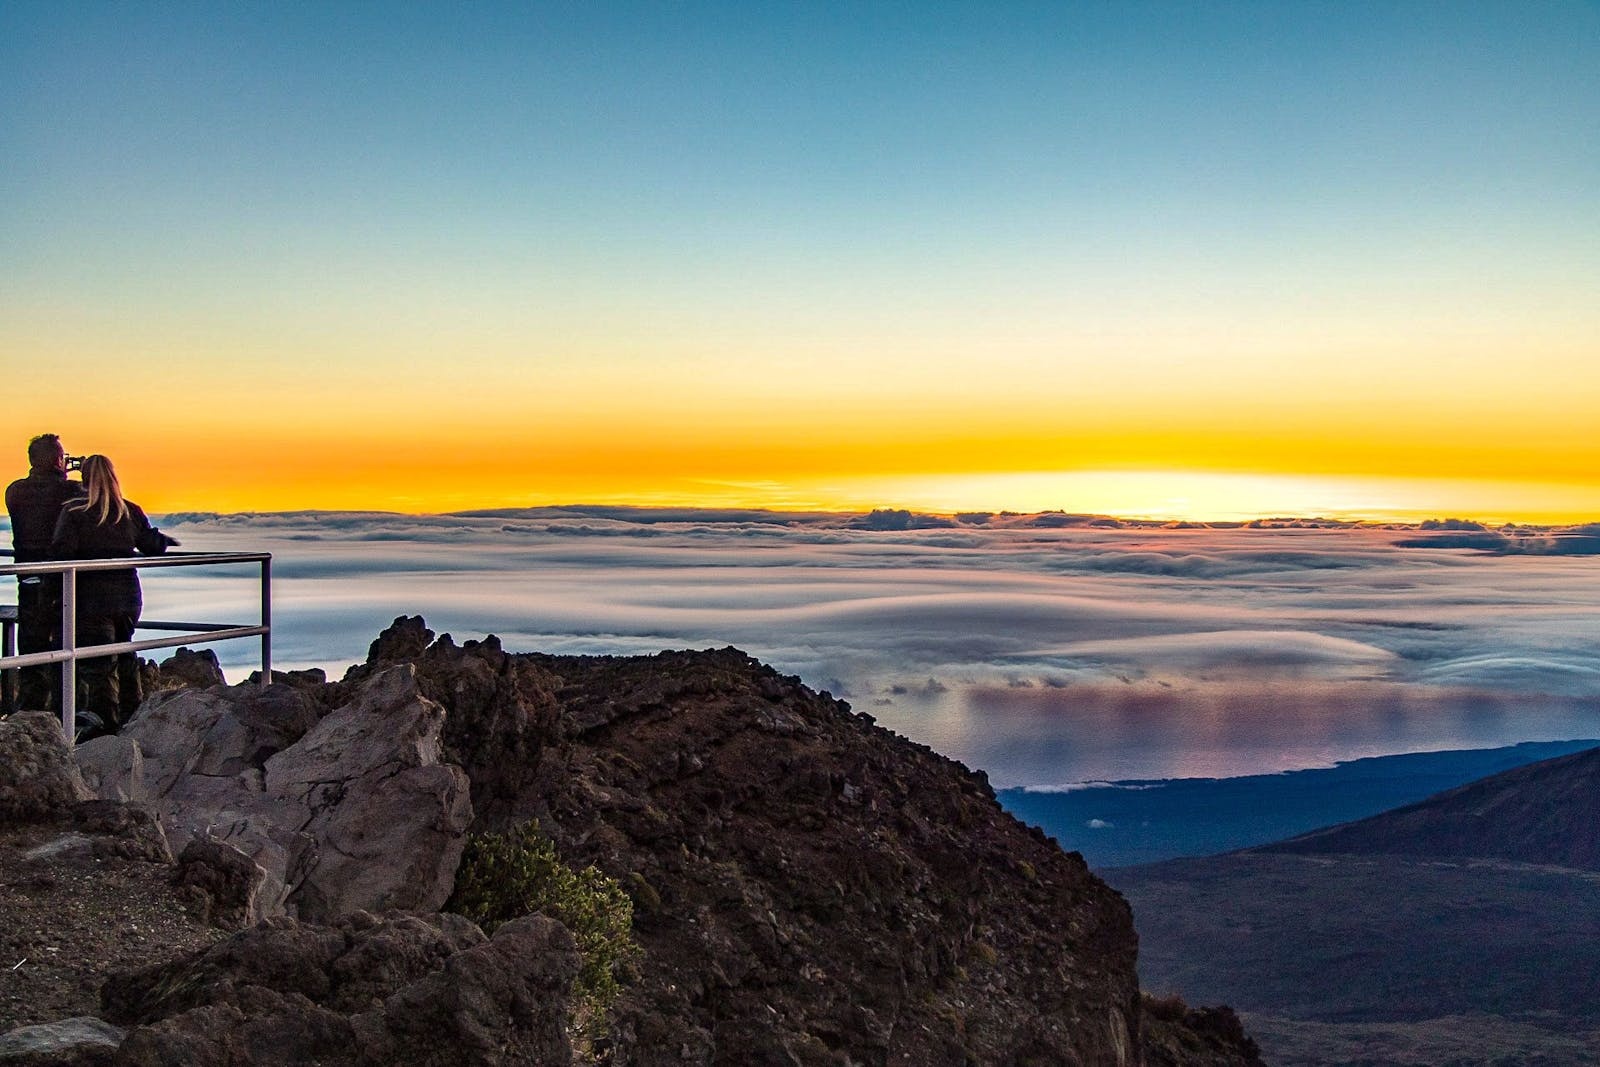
34, 503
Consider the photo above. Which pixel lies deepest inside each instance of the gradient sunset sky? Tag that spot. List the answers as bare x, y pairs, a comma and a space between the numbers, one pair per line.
1199, 260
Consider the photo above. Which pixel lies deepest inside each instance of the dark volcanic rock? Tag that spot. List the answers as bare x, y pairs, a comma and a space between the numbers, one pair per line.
187, 668
808, 888
310, 679
38, 780
218, 881
1176, 1035
191, 669
126, 831
502, 709
1544, 813
425, 990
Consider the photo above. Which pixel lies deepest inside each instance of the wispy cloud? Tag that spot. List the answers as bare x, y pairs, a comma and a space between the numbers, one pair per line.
1058, 653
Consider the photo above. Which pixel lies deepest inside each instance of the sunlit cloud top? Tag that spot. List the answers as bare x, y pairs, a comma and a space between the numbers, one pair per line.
288, 255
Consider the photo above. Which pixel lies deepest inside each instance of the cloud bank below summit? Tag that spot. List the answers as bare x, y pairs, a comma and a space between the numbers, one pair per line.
1045, 649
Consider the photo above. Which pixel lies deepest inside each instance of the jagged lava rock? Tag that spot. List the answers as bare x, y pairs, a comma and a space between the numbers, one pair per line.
39, 782
808, 888
189, 668
219, 882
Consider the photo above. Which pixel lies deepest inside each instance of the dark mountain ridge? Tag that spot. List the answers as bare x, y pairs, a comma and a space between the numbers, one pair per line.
1120, 824
1464, 928
1542, 813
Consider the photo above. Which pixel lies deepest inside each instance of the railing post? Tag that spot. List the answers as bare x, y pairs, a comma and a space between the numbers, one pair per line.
266, 622
10, 680
69, 644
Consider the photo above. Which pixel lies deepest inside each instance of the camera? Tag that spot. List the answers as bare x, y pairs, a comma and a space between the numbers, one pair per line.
74, 463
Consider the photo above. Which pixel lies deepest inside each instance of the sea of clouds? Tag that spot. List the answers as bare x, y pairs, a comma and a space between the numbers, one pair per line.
1046, 650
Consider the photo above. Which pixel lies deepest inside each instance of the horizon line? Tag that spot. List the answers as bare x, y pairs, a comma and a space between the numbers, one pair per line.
967, 518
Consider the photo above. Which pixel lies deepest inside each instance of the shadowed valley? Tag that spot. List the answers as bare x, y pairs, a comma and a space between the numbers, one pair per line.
1461, 929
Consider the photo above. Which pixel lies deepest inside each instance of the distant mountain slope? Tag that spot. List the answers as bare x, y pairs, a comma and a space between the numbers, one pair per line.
1118, 824
1464, 928
1544, 813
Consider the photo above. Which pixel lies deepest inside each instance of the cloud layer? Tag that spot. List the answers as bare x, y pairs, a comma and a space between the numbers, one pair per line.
1046, 653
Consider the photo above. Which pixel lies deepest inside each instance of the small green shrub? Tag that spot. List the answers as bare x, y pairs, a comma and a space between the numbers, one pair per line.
505, 876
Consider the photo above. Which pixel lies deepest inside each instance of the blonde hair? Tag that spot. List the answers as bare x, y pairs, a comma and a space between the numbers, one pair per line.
104, 491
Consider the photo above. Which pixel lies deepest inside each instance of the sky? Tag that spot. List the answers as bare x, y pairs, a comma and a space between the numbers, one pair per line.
1043, 654
1171, 259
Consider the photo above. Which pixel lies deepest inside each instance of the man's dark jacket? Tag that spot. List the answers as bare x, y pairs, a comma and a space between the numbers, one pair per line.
34, 504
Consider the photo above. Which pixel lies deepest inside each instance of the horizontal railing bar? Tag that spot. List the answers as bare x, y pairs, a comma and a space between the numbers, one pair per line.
192, 632
8, 615
153, 624
171, 559
39, 659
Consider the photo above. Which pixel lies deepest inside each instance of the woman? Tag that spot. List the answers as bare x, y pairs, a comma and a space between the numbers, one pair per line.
103, 525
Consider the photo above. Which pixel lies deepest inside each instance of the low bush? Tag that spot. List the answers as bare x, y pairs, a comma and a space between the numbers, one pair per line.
505, 876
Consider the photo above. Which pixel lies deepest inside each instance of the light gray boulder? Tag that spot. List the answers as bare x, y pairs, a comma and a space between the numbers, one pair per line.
75, 1040
389, 819
215, 733
113, 768
352, 810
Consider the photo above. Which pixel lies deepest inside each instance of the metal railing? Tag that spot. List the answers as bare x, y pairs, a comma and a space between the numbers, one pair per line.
70, 652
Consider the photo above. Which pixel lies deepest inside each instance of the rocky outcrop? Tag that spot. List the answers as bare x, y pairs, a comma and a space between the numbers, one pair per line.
188, 668
387, 816
808, 888
342, 810
1176, 1035
503, 711
366, 992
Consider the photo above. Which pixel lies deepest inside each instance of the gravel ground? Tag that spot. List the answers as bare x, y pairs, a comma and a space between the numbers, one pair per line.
68, 921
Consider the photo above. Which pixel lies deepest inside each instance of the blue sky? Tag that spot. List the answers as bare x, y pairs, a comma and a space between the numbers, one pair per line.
780, 119
1329, 223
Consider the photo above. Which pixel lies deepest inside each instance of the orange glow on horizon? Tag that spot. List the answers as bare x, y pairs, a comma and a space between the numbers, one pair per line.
418, 428
1205, 473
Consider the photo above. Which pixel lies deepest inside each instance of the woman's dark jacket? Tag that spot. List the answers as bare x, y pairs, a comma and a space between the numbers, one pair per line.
79, 535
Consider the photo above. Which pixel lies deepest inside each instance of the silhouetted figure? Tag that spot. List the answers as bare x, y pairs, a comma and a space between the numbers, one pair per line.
103, 525
34, 503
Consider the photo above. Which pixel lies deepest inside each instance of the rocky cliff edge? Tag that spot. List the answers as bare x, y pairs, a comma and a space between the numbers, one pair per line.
806, 887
